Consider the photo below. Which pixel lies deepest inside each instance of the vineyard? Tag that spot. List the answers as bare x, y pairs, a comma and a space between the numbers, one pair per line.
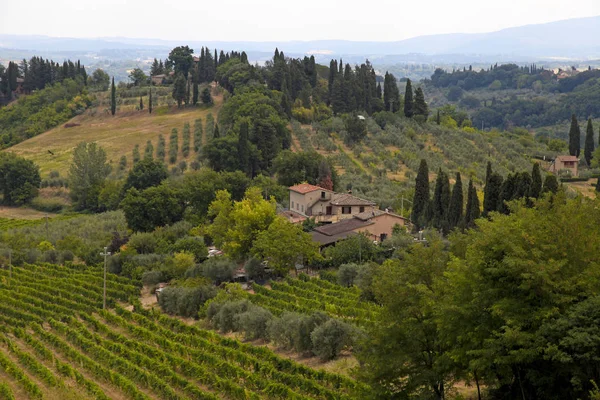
316, 295
56, 342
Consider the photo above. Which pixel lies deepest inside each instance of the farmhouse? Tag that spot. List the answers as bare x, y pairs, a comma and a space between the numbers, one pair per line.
568, 164
324, 205
376, 224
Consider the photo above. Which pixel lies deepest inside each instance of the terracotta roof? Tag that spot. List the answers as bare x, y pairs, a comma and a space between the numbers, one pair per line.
292, 216
304, 188
324, 240
367, 215
343, 199
567, 158
344, 226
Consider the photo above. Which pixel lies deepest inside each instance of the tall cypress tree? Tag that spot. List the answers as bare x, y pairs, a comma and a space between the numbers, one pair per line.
216, 133
141, 103
455, 210
421, 197
150, 100
113, 97
408, 100
420, 106
536, 182
598, 185
441, 200
550, 184
488, 171
508, 192
472, 210
588, 148
195, 94
491, 194
574, 137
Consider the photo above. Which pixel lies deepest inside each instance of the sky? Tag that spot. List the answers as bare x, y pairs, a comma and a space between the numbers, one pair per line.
279, 20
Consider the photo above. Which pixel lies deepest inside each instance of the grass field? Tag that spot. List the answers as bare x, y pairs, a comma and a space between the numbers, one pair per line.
56, 342
118, 135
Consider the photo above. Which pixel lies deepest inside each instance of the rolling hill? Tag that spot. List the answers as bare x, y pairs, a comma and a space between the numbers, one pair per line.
118, 135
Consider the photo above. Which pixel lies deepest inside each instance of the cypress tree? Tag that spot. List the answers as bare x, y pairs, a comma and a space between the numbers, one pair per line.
331, 80
408, 100
136, 154
488, 171
550, 184
588, 148
420, 106
216, 133
491, 194
507, 192
523, 187
455, 210
243, 148
150, 100
186, 136
536, 182
197, 135
173, 146
113, 97
195, 94
574, 137
141, 103
161, 148
421, 197
598, 185
149, 150
441, 199
472, 211
437, 118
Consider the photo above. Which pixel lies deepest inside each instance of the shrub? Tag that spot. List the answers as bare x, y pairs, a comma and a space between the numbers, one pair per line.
347, 274
329, 339
185, 301
223, 315
181, 263
52, 205
150, 278
253, 322
143, 242
217, 269
192, 245
254, 269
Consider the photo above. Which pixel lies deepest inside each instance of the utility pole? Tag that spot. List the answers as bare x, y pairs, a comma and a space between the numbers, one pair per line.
105, 254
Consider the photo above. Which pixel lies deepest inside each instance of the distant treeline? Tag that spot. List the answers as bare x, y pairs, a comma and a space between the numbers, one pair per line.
507, 76
37, 73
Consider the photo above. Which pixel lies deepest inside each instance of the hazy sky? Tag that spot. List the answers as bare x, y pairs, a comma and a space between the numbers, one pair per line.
262, 20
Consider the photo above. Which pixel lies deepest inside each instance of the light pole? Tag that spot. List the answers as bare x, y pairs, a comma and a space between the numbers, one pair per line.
105, 254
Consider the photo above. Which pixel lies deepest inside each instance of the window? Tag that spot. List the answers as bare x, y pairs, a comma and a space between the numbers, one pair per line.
328, 210
322, 195
297, 206
302, 207
346, 210
362, 209
382, 237
292, 205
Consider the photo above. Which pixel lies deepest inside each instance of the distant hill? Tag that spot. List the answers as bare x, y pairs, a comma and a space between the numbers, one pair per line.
573, 38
